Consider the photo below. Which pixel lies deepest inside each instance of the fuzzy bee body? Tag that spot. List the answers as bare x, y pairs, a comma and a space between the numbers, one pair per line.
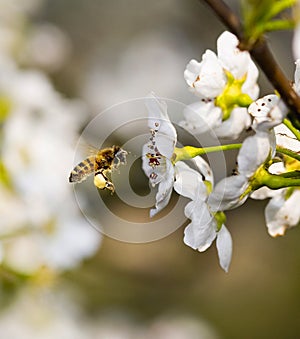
83, 170
100, 164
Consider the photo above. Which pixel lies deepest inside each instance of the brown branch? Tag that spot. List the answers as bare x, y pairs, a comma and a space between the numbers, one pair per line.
260, 53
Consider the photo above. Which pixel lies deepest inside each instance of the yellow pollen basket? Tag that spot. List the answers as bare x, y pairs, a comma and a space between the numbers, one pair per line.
100, 181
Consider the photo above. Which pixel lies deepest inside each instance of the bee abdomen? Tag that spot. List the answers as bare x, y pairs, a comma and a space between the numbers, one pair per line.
82, 170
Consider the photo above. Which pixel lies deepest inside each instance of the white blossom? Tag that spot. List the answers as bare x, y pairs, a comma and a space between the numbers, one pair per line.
204, 228
281, 212
208, 79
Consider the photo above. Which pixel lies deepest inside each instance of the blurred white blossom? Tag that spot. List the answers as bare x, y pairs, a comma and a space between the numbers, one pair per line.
46, 47
296, 37
38, 136
42, 314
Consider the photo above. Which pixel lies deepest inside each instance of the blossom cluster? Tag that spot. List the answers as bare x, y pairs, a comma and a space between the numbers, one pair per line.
267, 163
38, 128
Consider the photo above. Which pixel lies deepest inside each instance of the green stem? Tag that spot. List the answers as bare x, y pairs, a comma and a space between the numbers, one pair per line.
274, 181
288, 152
278, 25
279, 7
189, 152
293, 129
292, 174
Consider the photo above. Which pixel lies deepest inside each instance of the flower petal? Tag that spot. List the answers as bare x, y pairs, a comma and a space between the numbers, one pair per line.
250, 86
154, 167
297, 73
282, 213
233, 59
191, 72
206, 79
286, 139
165, 189
163, 130
189, 182
201, 117
227, 193
267, 112
224, 247
254, 152
201, 232
231, 128
264, 193
204, 169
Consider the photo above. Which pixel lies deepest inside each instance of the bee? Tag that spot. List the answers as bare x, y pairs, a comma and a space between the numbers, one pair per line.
100, 163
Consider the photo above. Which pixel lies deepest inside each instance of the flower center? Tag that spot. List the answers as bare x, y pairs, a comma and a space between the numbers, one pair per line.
232, 95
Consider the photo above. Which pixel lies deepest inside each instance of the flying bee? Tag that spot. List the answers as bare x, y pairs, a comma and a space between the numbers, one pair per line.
100, 163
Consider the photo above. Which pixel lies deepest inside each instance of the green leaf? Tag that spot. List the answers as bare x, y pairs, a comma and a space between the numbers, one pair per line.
259, 17
279, 25
278, 7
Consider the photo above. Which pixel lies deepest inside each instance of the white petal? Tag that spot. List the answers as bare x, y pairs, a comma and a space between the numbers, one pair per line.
250, 86
282, 214
297, 71
211, 79
224, 247
189, 182
201, 232
165, 133
286, 139
267, 112
254, 152
192, 71
155, 173
204, 169
296, 40
165, 144
265, 192
165, 189
277, 168
231, 128
201, 117
227, 193
233, 59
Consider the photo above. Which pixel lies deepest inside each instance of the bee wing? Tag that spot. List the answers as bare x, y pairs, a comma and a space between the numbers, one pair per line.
87, 149
91, 150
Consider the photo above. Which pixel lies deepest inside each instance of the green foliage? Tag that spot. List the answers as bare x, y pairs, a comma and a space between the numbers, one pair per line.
262, 16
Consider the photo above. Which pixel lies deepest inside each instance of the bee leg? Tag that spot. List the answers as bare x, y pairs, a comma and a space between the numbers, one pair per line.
110, 186
101, 181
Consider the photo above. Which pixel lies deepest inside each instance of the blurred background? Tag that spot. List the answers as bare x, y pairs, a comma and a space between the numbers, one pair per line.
62, 63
